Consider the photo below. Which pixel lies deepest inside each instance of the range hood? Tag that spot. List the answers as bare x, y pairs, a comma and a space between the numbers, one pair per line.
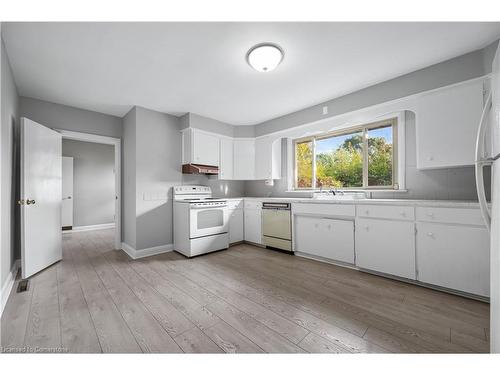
199, 169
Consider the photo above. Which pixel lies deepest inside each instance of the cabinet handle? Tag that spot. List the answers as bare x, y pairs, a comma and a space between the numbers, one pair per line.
315, 225
430, 214
367, 227
430, 234
367, 212
403, 214
329, 226
430, 158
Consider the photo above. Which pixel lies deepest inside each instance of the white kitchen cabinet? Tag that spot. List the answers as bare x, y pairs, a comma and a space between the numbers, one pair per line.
267, 158
244, 159
199, 147
446, 124
328, 238
226, 159
253, 225
454, 257
235, 225
386, 246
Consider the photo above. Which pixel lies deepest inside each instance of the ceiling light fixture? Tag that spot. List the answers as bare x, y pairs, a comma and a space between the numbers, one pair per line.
265, 57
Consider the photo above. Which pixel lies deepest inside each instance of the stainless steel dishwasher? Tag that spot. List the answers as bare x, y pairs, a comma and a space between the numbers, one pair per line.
277, 225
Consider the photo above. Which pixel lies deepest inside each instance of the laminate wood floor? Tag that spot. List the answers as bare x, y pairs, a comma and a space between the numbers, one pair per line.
242, 300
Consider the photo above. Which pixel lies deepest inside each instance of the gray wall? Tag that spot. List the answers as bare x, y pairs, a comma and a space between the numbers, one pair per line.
9, 171
192, 120
461, 68
128, 178
152, 166
93, 182
58, 116
453, 183
229, 189
158, 163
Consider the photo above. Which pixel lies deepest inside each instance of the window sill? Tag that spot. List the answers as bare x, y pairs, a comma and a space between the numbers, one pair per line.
348, 190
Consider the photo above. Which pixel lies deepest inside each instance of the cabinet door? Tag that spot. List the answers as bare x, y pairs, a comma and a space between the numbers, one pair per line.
263, 165
386, 246
235, 225
439, 114
205, 149
454, 256
244, 159
226, 159
327, 238
267, 159
253, 225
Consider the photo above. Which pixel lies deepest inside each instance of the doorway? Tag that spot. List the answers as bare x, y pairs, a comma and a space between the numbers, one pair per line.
86, 196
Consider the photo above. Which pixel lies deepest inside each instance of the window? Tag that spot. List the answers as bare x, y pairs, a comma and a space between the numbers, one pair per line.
362, 157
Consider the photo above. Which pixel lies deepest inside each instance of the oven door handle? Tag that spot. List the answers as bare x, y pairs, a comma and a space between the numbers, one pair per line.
207, 207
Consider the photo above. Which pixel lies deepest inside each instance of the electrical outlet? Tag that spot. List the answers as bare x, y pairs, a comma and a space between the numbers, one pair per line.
325, 110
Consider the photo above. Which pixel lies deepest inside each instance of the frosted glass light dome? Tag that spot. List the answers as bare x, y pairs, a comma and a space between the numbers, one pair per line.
265, 57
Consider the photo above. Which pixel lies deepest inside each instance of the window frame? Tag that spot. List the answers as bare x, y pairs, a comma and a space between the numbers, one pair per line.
364, 128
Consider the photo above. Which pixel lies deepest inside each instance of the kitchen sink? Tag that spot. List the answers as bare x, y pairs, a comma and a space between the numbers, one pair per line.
339, 195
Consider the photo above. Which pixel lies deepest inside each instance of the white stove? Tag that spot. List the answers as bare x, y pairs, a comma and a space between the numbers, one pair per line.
200, 221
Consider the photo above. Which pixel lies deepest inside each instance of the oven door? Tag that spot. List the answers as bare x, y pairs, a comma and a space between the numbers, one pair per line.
207, 221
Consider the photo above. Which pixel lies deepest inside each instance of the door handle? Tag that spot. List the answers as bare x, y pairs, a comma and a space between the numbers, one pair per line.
67, 198
20, 202
30, 201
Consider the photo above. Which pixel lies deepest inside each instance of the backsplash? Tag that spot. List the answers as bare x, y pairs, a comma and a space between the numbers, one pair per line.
447, 184
219, 188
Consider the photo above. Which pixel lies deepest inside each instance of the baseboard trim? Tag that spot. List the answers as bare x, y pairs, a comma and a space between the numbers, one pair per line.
8, 284
85, 228
150, 251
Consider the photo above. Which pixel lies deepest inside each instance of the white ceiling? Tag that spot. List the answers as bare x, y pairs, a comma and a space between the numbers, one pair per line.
201, 68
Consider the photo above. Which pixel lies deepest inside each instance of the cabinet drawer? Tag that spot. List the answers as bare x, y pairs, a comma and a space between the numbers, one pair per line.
386, 212
252, 204
235, 204
470, 216
324, 209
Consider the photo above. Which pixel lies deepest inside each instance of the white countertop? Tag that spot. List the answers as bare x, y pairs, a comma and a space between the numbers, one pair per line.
395, 202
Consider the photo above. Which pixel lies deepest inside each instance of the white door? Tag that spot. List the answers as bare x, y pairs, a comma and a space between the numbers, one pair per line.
440, 113
495, 260
235, 225
206, 221
67, 192
253, 225
41, 188
226, 159
206, 149
244, 159
454, 256
324, 237
386, 246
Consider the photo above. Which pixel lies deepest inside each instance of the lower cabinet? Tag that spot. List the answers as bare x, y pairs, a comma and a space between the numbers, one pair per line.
386, 246
325, 237
235, 225
253, 225
454, 256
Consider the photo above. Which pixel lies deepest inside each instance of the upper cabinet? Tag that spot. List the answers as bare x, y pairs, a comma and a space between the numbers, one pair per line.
267, 158
244, 159
446, 124
199, 147
226, 159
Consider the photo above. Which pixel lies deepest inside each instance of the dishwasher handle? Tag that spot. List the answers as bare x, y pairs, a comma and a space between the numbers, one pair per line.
276, 206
